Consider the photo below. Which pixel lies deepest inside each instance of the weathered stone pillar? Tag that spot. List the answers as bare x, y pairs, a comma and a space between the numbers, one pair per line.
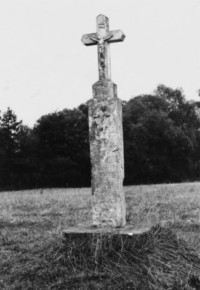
106, 136
107, 156
109, 229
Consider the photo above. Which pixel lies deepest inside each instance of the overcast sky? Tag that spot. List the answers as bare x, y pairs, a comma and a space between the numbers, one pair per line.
44, 67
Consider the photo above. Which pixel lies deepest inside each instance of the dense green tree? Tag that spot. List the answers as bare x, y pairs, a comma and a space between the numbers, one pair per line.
63, 148
9, 146
160, 134
10, 128
27, 164
182, 112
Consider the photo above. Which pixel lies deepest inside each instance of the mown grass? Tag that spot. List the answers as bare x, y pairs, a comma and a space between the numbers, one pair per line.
33, 255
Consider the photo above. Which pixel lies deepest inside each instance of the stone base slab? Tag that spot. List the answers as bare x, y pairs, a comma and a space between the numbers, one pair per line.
105, 251
128, 230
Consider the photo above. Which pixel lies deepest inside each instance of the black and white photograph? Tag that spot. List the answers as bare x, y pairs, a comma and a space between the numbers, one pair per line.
100, 144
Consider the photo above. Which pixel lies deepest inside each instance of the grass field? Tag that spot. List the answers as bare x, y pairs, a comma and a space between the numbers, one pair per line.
31, 225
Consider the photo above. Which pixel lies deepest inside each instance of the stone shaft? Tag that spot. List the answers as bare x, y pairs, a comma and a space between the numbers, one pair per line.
107, 157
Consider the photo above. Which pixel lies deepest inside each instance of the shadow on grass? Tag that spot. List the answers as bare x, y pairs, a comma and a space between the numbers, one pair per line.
45, 224
188, 226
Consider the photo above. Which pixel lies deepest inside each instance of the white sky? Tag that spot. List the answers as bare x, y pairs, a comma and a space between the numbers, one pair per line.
44, 67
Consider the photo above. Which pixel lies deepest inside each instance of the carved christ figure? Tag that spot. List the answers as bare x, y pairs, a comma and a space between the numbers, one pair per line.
101, 42
102, 38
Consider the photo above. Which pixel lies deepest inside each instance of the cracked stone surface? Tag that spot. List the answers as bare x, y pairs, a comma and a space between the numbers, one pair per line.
107, 156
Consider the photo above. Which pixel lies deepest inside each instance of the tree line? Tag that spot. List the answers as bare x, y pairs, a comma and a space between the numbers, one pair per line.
161, 144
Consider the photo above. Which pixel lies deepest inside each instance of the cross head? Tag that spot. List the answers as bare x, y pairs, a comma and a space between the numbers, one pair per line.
102, 38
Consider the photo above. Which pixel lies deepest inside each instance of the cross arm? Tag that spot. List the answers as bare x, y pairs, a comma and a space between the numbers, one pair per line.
117, 36
87, 39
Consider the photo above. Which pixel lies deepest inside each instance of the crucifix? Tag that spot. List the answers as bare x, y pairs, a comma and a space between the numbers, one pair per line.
108, 204
102, 38
106, 134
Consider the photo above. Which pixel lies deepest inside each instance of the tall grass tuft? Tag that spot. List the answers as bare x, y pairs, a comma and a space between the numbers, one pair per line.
34, 255
155, 260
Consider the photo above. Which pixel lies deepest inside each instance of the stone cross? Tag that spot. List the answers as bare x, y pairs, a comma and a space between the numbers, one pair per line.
106, 135
103, 37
